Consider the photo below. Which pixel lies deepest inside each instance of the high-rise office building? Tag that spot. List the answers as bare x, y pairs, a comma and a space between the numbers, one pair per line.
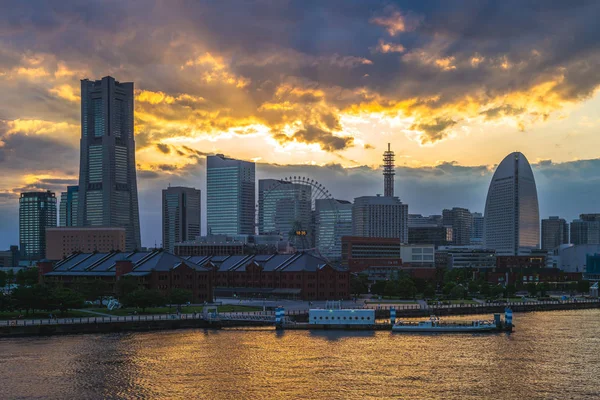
108, 194
380, 216
285, 207
37, 211
512, 221
477, 228
180, 215
460, 219
586, 229
333, 220
555, 231
69, 203
230, 196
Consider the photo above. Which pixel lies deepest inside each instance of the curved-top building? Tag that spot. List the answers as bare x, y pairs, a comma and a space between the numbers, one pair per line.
512, 218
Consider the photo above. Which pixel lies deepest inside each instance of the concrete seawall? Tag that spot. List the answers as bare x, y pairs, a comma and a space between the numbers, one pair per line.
47, 329
122, 326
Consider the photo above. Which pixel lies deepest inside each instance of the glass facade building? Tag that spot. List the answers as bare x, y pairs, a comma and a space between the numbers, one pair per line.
460, 219
586, 229
181, 215
37, 211
555, 231
333, 220
512, 220
477, 228
283, 208
69, 203
230, 196
379, 216
107, 176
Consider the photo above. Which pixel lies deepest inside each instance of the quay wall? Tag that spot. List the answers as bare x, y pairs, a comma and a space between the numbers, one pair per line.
122, 326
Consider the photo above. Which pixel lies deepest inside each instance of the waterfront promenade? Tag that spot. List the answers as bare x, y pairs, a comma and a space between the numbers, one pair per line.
98, 322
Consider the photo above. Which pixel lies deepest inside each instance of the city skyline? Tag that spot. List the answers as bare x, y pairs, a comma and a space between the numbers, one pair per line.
322, 106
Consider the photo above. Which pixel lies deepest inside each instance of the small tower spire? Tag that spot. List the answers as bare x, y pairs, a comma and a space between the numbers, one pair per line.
388, 172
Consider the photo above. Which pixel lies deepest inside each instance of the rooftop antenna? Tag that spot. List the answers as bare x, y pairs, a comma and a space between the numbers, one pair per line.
388, 172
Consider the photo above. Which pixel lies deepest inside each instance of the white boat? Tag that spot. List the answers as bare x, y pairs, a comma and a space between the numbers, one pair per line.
434, 324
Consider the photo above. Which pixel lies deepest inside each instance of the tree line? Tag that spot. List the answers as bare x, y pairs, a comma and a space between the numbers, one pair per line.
456, 284
25, 294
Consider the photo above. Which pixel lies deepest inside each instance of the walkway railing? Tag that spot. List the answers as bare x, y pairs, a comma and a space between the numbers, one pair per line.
268, 316
241, 316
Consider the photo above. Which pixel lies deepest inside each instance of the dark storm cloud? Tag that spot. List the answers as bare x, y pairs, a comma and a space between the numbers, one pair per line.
21, 153
453, 51
312, 134
163, 148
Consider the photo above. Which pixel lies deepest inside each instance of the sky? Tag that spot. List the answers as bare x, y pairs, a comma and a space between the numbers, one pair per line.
310, 88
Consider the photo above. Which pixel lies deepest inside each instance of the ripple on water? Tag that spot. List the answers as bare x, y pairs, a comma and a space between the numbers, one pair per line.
551, 355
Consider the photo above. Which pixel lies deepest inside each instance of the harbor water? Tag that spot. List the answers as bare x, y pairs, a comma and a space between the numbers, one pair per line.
551, 355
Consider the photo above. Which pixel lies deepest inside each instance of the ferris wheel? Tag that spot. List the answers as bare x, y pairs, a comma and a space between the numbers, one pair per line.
300, 210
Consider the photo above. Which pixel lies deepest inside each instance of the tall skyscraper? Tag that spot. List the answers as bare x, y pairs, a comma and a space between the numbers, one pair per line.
380, 216
107, 177
37, 211
181, 215
555, 231
388, 172
230, 196
460, 219
333, 220
586, 229
477, 228
284, 207
69, 203
512, 220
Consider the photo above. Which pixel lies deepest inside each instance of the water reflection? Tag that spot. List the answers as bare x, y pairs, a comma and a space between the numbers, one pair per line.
550, 355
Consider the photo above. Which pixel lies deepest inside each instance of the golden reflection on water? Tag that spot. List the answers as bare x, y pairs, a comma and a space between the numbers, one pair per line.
550, 355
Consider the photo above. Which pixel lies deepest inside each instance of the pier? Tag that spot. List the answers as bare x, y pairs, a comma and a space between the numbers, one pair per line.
288, 319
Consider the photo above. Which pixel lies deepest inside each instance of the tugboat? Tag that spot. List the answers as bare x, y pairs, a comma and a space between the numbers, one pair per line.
434, 324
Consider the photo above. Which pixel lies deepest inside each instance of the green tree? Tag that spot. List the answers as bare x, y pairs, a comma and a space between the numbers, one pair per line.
448, 288
458, 292
583, 286
407, 288
485, 290
27, 276
180, 296
532, 288
420, 284
543, 288
473, 287
378, 287
65, 299
3, 279
391, 288
10, 277
358, 284
126, 285
572, 287
496, 291
143, 298
5, 302
24, 298
510, 290
429, 292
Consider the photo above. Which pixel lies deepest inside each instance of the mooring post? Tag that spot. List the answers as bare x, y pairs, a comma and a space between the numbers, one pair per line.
279, 316
508, 315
